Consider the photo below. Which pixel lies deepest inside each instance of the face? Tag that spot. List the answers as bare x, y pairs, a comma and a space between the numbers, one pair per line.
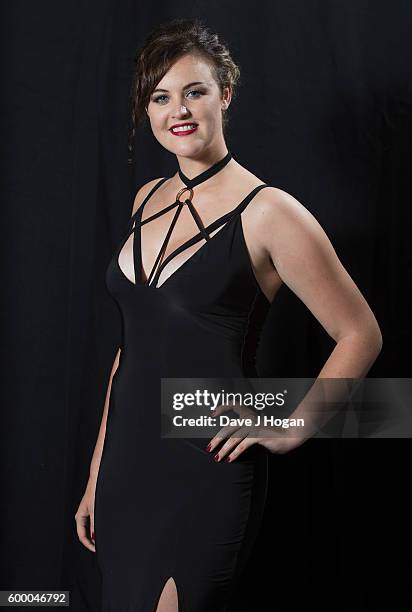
188, 94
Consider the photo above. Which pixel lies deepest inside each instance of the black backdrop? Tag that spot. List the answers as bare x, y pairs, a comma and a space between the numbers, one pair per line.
324, 112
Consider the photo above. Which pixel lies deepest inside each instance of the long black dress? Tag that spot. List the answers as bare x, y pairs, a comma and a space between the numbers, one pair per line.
163, 507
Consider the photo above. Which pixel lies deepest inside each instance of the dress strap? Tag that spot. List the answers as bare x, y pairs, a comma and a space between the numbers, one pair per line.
235, 212
198, 220
210, 228
239, 209
136, 221
163, 248
149, 195
165, 242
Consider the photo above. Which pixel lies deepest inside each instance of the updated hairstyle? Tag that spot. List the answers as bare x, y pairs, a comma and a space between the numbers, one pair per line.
162, 48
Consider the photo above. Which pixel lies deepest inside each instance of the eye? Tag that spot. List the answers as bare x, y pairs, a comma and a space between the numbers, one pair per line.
161, 99
195, 91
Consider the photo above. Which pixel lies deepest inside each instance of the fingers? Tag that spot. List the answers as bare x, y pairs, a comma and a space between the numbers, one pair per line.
223, 433
82, 527
234, 446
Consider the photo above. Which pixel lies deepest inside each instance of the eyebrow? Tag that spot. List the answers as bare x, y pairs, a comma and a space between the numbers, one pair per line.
185, 87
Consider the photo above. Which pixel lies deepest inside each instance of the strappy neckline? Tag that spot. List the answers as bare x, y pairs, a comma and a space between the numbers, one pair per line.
190, 184
137, 222
206, 174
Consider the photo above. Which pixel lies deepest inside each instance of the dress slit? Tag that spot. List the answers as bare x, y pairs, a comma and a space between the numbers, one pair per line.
179, 604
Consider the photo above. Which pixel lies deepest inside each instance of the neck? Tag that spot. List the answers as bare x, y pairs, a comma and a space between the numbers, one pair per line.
192, 167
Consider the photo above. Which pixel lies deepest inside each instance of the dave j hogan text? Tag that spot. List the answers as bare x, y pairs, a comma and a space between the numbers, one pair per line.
224, 421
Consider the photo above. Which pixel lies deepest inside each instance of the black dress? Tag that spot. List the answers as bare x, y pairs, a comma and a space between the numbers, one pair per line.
164, 508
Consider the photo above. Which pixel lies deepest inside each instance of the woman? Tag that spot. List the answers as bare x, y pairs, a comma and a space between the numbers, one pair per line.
174, 521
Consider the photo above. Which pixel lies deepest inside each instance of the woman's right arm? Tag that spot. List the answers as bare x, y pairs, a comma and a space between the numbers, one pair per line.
85, 513
97, 454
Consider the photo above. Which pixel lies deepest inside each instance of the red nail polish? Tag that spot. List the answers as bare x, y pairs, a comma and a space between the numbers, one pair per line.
93, 536
208, 447
228, 459
216, 457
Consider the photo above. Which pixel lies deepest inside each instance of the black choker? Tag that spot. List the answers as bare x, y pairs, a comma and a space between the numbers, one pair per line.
203, 176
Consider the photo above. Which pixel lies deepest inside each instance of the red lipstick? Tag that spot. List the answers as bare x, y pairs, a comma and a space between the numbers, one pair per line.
184, 132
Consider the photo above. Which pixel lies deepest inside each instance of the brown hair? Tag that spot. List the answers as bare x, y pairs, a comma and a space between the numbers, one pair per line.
164, 45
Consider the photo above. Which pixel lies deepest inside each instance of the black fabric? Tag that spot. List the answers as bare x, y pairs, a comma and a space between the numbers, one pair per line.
192, 325
324, 112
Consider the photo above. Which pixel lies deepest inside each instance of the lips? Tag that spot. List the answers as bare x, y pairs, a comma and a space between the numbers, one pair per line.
183, 129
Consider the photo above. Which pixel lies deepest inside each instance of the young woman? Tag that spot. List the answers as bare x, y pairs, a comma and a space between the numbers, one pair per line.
174, 522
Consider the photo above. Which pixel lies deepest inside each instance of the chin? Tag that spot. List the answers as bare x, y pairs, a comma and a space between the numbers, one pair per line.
184, 146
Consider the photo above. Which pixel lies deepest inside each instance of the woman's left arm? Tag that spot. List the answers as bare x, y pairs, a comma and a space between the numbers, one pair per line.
307, 263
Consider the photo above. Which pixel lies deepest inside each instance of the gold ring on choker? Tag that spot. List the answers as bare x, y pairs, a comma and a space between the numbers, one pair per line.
182, 191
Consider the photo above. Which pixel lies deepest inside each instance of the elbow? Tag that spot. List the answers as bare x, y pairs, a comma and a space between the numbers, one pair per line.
379, 341
368, 337
374, 341
375, 345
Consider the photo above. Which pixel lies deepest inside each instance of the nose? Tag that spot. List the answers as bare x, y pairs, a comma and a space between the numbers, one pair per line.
182, 111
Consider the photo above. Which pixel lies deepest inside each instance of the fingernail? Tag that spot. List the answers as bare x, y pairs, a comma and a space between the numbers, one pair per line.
93, 535
208, 447
216, 457
228, 459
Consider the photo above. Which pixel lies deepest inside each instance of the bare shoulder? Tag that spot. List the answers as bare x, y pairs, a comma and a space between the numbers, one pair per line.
276, 204
143, 192
308, 264
283, 222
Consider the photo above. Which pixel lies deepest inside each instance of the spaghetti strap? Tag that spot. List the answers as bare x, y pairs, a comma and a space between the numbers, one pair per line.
134, 221
211, 228
149, 195
203, 233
